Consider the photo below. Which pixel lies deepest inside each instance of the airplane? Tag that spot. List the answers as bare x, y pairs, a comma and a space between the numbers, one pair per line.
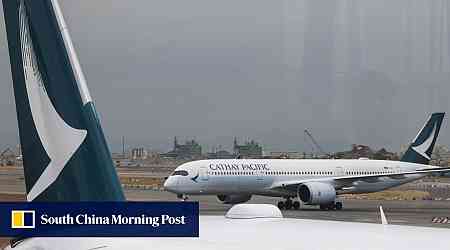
66, 158
311, 181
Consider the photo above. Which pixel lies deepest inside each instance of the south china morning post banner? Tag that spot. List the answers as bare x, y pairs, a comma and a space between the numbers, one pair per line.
99, 219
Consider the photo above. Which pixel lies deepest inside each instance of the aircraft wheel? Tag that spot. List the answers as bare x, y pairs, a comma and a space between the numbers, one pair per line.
288, 204
182, 197
338, 205
296, 205
280, 205
331, 206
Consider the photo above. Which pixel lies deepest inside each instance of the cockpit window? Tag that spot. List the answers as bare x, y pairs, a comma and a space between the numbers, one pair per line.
180, 172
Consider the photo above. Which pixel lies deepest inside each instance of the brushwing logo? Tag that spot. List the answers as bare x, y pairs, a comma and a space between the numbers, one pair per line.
194, 179
22, 219
59, 140
423, 148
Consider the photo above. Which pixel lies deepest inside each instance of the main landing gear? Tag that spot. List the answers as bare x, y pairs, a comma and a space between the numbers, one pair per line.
288, 204
332, 206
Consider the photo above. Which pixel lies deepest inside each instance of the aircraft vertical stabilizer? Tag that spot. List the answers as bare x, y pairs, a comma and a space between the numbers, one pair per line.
65, 154
420, 150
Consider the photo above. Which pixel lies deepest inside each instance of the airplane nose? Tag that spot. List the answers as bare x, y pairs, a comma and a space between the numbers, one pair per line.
170, 184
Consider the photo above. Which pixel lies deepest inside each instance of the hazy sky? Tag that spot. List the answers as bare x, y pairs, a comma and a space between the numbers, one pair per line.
351, 71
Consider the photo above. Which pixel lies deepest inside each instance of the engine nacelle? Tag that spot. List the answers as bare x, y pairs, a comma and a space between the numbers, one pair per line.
317, 193
233, 198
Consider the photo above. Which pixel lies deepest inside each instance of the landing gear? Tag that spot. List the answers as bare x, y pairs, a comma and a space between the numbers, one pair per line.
280, 205
331, 206
338, 205
288, 204
182, 197
323, 207
296, 205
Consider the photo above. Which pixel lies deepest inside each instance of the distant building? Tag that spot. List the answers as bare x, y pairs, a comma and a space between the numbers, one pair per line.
363, 151
357, 151
286, 155
221, 154
190, 150
250, 149
440, 156
139, 154
383, 154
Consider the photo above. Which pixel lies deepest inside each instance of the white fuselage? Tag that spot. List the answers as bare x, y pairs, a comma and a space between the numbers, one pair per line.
260, 176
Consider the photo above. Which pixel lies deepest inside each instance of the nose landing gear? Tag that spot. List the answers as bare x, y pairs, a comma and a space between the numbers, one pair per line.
182, 197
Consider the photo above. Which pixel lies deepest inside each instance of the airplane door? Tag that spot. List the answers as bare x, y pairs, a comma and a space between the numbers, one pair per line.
204, 174
259, 175
339, 171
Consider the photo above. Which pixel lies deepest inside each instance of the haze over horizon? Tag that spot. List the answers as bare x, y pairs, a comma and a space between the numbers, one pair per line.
353, 71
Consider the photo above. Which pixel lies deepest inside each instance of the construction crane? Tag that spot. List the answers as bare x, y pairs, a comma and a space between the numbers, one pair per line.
321, 151
2, 154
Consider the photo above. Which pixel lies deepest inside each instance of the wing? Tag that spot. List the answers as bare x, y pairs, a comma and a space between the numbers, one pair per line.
344, 182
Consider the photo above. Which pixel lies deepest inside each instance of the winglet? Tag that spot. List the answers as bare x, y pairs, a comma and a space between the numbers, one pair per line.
383, 217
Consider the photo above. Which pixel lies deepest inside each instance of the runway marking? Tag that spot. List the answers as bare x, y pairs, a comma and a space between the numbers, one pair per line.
441, 220
399, 221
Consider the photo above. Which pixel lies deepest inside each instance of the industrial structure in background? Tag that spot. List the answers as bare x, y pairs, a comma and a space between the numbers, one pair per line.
362, 151
441, 156
317, 151
219, 153
10, 157
249, 149
7, 157
191, 150
286, 155
139, 153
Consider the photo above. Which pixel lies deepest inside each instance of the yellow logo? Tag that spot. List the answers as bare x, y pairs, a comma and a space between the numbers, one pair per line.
22, 219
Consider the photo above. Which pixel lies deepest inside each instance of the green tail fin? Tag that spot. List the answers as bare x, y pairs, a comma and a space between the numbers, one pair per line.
65, 154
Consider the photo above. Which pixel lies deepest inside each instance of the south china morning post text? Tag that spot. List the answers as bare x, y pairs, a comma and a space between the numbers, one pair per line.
100, 219
114, 219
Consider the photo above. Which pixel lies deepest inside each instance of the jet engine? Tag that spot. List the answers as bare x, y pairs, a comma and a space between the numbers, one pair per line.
317, 193
233, 199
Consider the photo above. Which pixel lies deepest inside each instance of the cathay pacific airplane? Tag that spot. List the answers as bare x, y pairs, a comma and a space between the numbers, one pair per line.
66, 158
314, 182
